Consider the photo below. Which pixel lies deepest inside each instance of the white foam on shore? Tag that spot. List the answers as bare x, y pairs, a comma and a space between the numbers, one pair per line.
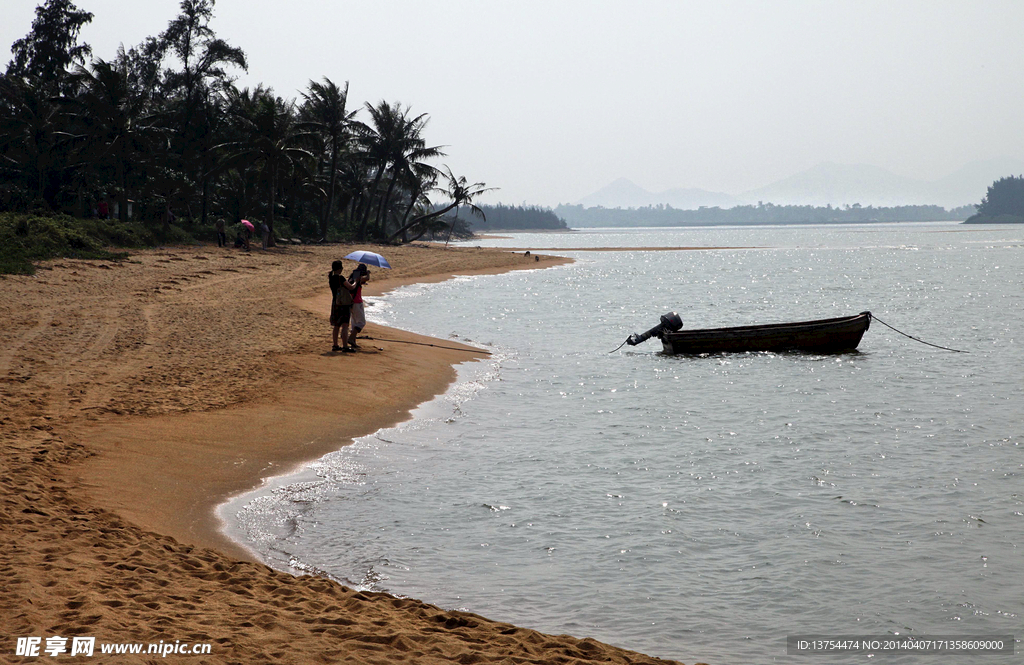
261, 520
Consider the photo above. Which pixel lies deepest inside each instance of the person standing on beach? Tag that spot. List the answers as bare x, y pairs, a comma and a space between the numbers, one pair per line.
359, 276
222, 236
169, 217
340, 311
265, 231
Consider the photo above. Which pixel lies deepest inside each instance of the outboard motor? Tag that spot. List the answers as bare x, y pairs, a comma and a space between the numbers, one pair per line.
670, 322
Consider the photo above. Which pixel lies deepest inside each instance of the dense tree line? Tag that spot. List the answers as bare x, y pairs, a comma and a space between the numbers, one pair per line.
507, 218
763, 213
161, 132
1003, 203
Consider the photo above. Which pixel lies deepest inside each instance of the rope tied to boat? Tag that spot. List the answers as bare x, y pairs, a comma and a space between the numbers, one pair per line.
436, 346
944, 348
670, 322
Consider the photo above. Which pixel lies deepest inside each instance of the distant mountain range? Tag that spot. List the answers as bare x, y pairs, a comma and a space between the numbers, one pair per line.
625, 194
823, 184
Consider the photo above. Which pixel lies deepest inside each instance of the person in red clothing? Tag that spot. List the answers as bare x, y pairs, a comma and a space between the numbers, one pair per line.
359, 276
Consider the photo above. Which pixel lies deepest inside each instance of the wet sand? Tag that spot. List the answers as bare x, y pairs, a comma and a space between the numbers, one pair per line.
134, 397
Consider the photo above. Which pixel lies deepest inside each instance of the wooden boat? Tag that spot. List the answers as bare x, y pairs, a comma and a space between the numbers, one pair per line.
822, 336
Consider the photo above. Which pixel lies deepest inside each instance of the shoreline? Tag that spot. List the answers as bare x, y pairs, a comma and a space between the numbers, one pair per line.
304, 472
118, 380
298, 422
230, 451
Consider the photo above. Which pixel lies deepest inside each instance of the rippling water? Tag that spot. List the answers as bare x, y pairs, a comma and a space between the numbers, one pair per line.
699, 508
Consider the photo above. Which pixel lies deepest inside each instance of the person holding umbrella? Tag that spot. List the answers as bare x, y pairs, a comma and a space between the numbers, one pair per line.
371, 258
247, 229
359, 276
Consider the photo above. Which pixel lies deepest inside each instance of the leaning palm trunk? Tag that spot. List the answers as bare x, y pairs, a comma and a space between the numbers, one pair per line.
422, 232
405, 218
417, 220
451, 228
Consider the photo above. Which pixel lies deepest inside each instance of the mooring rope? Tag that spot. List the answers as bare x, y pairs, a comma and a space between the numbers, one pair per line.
619, 346
944, 348
436, 346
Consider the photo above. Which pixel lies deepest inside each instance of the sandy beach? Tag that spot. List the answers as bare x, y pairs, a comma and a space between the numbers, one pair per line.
137, 396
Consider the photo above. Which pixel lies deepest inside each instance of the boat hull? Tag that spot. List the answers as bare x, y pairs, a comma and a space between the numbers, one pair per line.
822, 336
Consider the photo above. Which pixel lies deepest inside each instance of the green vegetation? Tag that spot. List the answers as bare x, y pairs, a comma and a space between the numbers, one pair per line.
161, 133
510, 218
1003, 204
766, 213
26, 237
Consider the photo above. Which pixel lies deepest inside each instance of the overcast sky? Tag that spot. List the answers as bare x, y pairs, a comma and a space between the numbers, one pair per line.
552, 100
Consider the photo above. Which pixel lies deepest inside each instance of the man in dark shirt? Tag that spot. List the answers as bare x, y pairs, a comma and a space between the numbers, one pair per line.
339, 313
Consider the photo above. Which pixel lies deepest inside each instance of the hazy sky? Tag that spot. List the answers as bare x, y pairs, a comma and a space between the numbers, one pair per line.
552, 100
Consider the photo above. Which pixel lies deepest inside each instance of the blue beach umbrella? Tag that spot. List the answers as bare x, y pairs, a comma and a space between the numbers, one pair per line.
369, 258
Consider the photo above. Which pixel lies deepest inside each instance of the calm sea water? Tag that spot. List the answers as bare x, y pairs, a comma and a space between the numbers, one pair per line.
699, 508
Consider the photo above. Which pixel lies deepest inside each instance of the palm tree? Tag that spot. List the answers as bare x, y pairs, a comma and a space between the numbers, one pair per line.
407, 165
421, 179
376, 140
28, 143
202, 54
414, 174
392, 142
270, 135
460, 192
112, 113
193, 91
325, 109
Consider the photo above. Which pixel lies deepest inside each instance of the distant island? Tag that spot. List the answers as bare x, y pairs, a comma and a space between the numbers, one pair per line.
750, 215
502, 217
1003, 204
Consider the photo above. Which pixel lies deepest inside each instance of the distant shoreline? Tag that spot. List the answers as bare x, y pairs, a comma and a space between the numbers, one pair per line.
578, 216
487, 232
495, 235
996, 219
705, 224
